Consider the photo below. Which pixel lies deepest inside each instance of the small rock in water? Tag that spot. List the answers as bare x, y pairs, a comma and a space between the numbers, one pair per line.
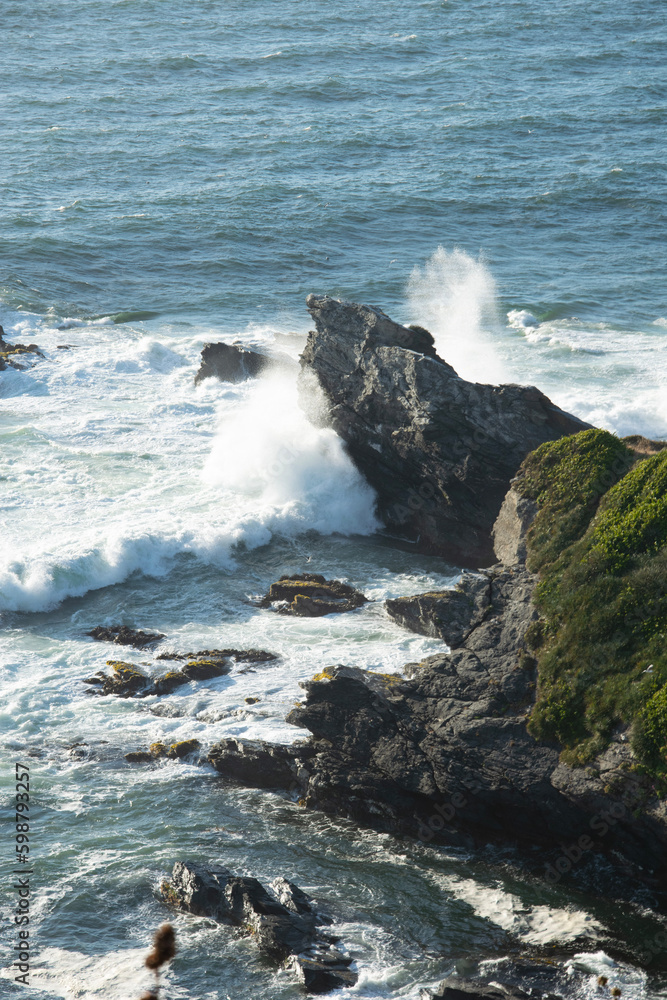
156, 751
240, 655
230, 363
124, 636
284, 922
9, 351
311, 596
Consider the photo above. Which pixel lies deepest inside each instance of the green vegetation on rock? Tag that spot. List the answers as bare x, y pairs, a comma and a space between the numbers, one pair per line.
599, 543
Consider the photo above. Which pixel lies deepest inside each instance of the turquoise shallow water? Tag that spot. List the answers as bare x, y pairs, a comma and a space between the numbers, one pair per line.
179, 172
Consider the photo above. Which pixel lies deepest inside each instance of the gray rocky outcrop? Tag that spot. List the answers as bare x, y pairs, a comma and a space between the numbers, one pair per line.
442, 753
236, 363
449, 615
283, 922
126, 680
439, 451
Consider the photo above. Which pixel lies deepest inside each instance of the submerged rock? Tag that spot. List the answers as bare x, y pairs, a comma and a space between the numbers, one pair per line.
230, 363
283, 923
124, 636
240, 655
520, 978
311, 595
156, 751
439, 451
449, 615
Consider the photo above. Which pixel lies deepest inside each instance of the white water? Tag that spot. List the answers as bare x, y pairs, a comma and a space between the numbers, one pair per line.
132, 496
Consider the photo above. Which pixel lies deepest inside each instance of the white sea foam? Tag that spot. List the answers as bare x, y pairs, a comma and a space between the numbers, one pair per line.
114, 485
521, 319
535, 925
454, 296
267, 449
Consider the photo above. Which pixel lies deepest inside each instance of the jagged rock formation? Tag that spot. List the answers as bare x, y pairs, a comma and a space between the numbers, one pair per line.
439, 451
311, 596
443, 754
283, 922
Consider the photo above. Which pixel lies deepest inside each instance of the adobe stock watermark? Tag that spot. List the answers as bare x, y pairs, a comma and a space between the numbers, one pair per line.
600, 824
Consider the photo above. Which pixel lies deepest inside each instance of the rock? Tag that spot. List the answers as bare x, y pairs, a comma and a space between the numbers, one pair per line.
196, 670
455, 988
511, 528
9, 352
310, 595
230, 363
324, 973
443, 754
156, 751
124, 636
255, 763
139, 757
128, 681
439, 451
283, 923
449, 615
240, 655
183, 749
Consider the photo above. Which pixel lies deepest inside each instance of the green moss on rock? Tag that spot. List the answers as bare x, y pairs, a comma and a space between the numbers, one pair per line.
599, 542
567, 478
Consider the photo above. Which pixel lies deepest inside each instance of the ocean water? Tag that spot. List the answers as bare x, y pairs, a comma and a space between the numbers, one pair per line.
175, 173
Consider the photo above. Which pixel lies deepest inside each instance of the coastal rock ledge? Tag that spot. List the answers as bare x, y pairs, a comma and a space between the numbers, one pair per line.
443, 753
439, 451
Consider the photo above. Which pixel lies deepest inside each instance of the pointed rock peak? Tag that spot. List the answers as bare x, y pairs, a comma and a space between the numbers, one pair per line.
367, 325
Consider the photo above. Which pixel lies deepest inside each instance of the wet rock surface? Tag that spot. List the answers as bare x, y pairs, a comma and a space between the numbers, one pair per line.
442, 753
439, 451
10, 353
310, 595
128, 681
240, 655
230, 363
283, 921
449, 615
157, 751
124, 636
456, 988
259, 764
519, 978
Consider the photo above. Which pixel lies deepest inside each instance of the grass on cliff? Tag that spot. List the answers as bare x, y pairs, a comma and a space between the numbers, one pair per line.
599, 542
